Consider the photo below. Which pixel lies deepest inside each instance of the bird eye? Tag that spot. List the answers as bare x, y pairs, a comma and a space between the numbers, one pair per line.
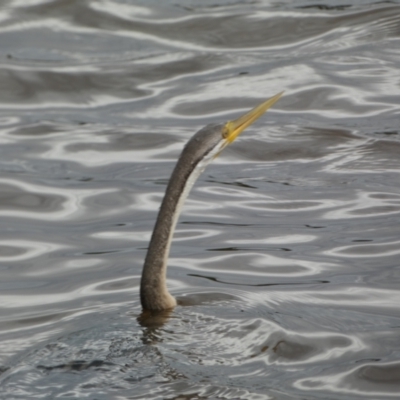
225, 132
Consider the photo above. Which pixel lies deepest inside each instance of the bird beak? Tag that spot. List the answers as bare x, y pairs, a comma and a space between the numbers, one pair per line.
234, 128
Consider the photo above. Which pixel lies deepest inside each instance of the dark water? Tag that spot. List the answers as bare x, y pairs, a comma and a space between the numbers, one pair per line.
287, 252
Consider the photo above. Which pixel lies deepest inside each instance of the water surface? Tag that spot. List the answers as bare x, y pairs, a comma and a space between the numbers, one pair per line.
286, 256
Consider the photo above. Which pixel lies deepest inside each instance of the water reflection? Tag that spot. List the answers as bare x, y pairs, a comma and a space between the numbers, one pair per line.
152, 320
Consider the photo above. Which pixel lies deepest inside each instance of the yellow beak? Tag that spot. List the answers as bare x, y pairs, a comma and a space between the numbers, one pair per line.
234, 128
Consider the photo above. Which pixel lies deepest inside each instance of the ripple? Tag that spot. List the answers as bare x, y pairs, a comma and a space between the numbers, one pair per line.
26, 200
287, 239
98, 152
367, 380
368, 250
20, 250
365, 204
252, 265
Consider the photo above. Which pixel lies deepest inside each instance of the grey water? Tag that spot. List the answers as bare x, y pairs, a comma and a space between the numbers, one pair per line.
286, 258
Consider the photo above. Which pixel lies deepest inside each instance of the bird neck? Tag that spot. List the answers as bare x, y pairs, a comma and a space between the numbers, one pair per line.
154, 293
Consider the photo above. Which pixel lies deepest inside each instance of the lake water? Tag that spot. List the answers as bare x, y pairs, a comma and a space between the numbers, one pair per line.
286, 258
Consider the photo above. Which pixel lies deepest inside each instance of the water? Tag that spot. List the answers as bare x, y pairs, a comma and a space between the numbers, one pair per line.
286, 256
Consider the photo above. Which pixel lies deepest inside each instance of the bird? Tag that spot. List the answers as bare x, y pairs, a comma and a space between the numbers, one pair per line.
199, 151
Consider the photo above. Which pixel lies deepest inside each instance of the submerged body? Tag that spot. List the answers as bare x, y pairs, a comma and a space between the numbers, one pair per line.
201, 149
